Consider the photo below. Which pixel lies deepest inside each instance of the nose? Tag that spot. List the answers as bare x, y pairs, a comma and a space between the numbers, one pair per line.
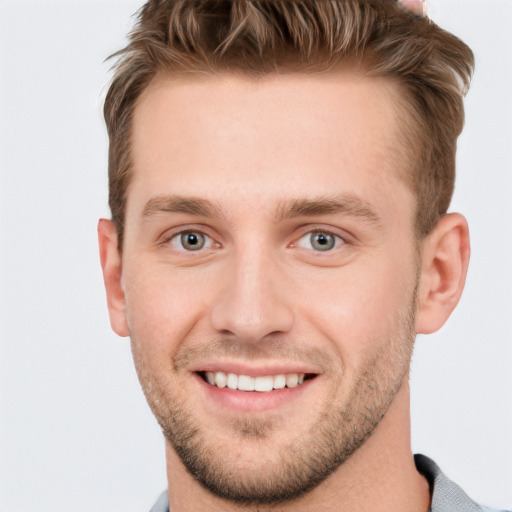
254, 301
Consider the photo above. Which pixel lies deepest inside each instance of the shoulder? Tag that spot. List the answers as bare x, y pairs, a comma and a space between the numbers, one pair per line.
447, 496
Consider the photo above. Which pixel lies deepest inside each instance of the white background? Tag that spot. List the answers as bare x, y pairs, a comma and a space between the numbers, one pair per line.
75, 432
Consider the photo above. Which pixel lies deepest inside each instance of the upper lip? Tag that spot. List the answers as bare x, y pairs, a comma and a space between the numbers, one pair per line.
256, 369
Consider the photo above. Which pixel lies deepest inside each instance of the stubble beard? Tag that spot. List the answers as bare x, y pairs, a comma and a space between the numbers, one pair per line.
303, 463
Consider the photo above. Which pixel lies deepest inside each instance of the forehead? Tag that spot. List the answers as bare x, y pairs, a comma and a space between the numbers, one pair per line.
265, 139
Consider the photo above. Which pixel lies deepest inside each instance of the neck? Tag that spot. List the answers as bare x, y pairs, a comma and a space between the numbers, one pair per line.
380, 476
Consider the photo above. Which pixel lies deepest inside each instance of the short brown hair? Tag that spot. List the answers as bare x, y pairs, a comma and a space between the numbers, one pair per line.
257, 37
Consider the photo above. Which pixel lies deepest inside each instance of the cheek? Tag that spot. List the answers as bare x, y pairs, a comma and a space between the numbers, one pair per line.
163, 306
359, 310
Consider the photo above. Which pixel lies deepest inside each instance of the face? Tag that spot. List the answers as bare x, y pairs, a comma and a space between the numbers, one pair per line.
269, 273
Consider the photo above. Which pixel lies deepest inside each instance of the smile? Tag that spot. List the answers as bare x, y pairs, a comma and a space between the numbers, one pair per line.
263, 384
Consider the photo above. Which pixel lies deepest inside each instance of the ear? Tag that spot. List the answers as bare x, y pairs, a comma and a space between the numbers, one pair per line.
445, 260
111, 265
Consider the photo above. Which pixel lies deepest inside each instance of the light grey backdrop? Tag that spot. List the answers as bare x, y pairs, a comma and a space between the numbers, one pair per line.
75, 432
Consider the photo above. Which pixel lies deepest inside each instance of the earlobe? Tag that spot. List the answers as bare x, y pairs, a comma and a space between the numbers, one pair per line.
445, 260
111, 265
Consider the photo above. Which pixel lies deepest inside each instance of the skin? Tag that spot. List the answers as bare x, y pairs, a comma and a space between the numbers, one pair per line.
415, 7
260, 299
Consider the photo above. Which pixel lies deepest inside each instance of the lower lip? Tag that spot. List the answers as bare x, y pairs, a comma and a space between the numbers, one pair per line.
251, 401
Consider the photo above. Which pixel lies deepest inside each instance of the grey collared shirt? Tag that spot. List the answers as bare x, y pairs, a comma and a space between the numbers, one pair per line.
447, 496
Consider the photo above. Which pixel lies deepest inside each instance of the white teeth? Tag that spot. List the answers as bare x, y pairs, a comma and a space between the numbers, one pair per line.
292, 380
262, 384
279, 381
220, 379
232, 381
245, 383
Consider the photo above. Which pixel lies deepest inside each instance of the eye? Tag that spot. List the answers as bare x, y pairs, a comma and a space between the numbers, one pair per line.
191, 241
320, 241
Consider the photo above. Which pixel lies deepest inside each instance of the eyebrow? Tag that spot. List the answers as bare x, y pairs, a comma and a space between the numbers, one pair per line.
178, 204
349, 205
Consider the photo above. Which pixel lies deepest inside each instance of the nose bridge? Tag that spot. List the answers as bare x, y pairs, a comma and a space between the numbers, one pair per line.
253, 302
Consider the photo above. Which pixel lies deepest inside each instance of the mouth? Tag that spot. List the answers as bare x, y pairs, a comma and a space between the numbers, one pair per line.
260, 384
236, 388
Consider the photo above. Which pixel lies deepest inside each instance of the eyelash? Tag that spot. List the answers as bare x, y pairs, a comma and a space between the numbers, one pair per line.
177, 238
325, 234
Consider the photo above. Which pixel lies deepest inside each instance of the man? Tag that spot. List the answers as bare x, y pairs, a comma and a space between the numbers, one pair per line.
280, 173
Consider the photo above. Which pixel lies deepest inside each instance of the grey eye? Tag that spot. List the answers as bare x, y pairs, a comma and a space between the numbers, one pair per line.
192, 241
322, 241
